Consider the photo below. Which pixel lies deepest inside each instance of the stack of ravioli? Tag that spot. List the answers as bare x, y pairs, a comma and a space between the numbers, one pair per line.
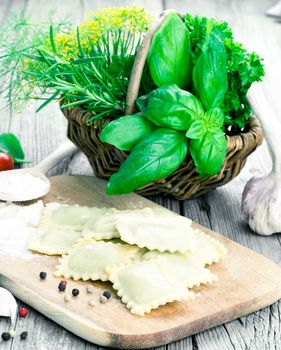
151, 255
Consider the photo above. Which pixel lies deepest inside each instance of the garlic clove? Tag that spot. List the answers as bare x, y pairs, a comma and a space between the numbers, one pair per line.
261, 199
261, 204
8, 305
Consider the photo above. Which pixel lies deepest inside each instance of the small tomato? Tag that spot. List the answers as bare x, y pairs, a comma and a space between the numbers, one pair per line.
6, 162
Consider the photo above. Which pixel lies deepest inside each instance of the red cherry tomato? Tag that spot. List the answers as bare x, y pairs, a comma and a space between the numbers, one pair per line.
6, 162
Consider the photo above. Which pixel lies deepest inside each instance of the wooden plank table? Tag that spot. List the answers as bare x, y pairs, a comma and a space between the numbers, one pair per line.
219, 210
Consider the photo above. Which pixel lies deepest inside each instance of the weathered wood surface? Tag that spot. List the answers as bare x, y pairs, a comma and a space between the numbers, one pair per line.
219, 210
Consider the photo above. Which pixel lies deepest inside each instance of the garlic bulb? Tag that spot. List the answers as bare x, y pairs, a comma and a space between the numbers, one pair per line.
8, 305
261, 198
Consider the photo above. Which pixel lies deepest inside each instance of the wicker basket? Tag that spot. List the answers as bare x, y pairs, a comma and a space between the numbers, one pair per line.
184, 183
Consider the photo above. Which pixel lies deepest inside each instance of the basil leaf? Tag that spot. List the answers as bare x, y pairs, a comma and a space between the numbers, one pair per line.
169, 58
210, 72
156, 156
169, 106
196, 130
208, 142
209, 152
10, 144
125, 132
214, 118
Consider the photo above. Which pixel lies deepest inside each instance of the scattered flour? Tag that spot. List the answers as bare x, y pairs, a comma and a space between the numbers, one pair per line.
16, 224
21, 183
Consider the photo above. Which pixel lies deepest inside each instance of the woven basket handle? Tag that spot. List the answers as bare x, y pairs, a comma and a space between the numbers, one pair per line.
136, 74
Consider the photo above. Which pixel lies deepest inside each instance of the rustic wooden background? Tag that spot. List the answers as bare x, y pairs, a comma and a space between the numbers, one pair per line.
220, 210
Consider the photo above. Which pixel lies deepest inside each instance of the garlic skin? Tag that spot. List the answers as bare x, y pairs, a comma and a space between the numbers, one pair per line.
261, 205
261, 198
8, 305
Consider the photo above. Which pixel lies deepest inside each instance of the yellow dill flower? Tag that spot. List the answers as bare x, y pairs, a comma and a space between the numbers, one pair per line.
114, 18
134, 20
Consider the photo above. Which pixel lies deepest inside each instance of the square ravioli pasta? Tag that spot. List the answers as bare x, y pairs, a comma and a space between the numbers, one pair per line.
206, 249
52, 241
185, 268
145, 285
68, 217
105, 226
89, 259
163, 233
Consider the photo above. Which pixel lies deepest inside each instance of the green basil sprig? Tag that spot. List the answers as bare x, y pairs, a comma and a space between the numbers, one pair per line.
156, 156
170, 106
169, 58
208, 143
178, 116
125, 132
210, 72
10, 144
158, 153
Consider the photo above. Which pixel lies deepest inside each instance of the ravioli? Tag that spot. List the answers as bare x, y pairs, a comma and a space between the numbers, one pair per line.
102, 227
69, 217
105, 226
89, 259
151, 255
145, 285
52, 241
185, 268
167, 233
206, 249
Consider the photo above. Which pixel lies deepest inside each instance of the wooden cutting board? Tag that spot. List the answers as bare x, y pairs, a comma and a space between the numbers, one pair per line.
247, 282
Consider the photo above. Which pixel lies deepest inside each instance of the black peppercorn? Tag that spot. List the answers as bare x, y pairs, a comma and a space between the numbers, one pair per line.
75, 292
107, 294
43, 275
23, 335
6, 336
62, 287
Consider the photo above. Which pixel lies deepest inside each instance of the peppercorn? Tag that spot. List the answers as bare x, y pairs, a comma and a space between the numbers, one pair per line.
103, 299
63, 282
62, 287
43, 275
67, 298
107, 294
23, 312
89, 289
75, 292
5, 336
13, 333
23, 335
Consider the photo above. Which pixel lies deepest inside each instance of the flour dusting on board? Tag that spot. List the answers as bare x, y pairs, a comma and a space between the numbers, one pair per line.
16, 224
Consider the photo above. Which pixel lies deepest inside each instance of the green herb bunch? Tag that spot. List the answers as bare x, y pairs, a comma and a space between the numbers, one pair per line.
193, 87
96, 80
89, 66
188, 111
243, 68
